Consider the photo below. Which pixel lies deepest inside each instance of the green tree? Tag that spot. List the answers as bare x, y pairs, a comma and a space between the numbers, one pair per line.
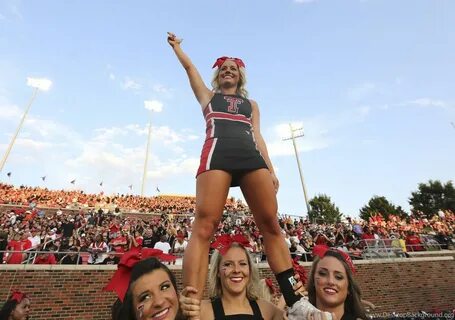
323, 210
432, 197
380, 205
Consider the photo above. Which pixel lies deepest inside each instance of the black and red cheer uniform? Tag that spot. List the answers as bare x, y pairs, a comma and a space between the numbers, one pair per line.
229, 144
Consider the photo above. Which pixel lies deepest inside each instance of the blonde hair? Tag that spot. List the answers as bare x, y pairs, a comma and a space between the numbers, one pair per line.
264, 291
214, 287
241, 86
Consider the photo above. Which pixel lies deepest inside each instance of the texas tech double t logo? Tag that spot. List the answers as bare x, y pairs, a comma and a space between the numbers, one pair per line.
233, 104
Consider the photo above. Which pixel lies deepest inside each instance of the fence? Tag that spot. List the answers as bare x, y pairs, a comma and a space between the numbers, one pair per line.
377, 249
372, 249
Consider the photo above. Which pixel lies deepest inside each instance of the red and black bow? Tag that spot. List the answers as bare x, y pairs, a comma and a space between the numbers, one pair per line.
121, 278
225, 241
18, 296
219, 62
321, 251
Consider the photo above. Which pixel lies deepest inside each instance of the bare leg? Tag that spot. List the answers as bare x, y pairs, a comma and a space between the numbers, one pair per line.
259, 192
212, 189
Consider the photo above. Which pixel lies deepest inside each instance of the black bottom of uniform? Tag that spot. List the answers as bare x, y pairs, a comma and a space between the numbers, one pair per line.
233, 155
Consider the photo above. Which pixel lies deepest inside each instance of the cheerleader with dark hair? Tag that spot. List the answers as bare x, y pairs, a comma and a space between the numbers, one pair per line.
145, 287
17, 307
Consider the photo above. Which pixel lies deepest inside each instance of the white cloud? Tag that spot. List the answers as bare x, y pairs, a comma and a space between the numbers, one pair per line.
305, 1
130, 84
33, 126
429, 103
364, 111
101, 160
51, 130
167, 135
113, 154
175, 168
159, 88
398, 81
192, 137
112, 75
163, 135
105, 135
318, 131
15, 11
40, 83
361, 91
34, 144
8, 111
314, 138
153, 105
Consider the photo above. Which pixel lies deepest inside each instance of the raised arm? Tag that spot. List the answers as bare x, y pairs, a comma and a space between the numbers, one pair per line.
202, 93
261, 143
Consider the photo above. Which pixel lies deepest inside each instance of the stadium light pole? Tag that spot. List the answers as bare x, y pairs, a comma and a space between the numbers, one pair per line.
293, 137
153, 106
37, 84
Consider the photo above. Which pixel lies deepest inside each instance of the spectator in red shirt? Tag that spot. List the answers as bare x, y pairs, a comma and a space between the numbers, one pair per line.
321, 238
119, 243
45, 257
114, 228
413, 242
136, 242
15, 245
367, 237
26, 243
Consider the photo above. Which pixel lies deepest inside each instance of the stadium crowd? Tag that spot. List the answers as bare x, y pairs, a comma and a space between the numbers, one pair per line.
95, 229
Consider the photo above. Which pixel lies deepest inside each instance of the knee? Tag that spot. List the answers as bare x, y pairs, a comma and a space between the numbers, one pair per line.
204, 227
269, 227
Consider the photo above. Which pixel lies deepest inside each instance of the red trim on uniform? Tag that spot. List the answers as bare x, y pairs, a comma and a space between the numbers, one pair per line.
207, 109
205, 155
227, 116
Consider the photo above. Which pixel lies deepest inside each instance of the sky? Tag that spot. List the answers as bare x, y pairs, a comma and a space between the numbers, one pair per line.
367, 80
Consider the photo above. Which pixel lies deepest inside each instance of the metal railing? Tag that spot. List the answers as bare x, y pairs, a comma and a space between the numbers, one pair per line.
378, 249
372, 249
29, 256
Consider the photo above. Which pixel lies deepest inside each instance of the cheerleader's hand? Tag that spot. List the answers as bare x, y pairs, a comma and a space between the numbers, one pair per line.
191, 308
275, 181
299, 288
173, 40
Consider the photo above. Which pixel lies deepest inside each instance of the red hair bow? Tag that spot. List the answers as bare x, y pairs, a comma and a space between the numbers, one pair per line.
321, 250
18, 296
299, 270
269, 284
224, 242
219, 62
121, 278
